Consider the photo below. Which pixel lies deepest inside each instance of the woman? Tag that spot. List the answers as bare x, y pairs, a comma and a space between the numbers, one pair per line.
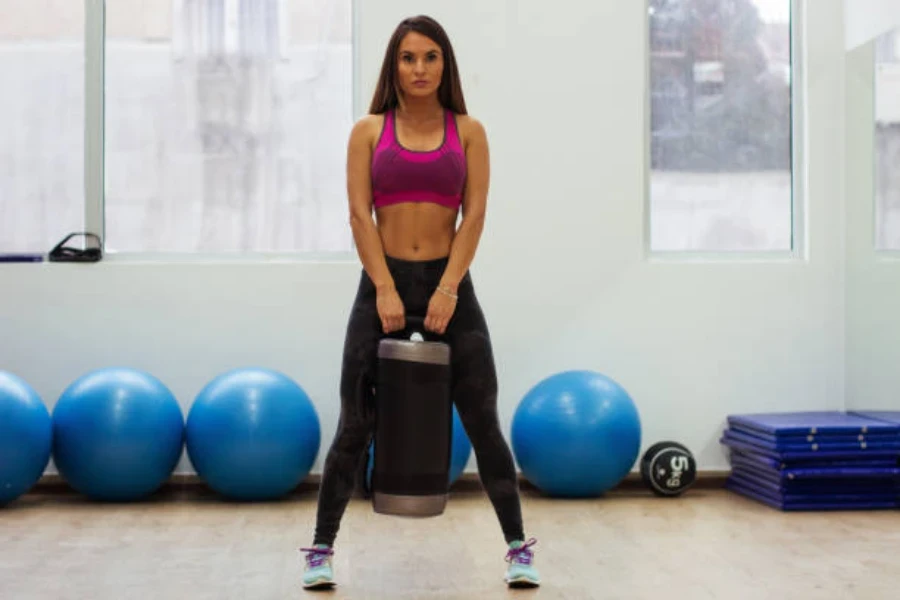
418, 159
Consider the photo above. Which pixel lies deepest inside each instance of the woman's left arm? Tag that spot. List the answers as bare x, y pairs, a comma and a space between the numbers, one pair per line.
474, 205
465, 243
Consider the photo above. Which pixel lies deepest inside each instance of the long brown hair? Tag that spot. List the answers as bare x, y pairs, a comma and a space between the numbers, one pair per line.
450, 94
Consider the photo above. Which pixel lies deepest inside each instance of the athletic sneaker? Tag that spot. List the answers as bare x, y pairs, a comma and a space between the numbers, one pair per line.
318, 573
521, 571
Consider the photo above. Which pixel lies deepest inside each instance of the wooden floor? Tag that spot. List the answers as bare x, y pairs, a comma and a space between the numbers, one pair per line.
709, 544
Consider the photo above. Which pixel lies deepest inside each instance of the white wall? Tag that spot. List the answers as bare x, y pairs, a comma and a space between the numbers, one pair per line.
691, 340
865, 20
873, 278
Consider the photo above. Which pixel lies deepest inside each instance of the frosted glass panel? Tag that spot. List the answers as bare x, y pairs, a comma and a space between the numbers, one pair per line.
720, 125
41, 123
226, 125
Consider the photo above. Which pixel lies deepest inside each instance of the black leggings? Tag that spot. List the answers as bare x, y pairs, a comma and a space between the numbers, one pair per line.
474, 392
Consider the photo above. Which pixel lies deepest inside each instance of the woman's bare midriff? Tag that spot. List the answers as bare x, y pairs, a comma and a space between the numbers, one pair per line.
416, 231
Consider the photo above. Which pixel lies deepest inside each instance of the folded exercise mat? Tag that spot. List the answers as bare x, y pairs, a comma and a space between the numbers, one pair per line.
888, 416
747, 443
850, 495
892, 442
814, 466
823, 472
812, 423
818, 460
885, 480
795, 503
883, 488
818, 438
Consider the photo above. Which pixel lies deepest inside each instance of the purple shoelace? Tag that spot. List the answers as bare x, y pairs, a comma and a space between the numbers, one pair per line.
522, 555
316, 557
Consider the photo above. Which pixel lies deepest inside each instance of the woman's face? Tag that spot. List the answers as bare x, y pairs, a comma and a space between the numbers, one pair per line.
420, 65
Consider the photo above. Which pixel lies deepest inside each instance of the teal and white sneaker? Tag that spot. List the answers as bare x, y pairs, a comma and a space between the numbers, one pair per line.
318, 573
521, 571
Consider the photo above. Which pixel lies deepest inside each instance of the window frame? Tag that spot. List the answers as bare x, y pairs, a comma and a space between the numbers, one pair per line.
798, 250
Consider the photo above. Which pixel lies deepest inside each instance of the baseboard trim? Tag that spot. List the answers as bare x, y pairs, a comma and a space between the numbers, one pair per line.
467, 482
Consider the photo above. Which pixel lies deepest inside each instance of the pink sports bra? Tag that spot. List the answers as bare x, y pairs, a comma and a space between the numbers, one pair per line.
403, 175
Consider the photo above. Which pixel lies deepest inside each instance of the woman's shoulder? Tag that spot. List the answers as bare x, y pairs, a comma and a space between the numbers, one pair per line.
468, 122
369, 123
367, 128
470, 128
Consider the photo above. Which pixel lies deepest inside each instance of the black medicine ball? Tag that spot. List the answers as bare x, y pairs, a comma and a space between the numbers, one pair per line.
668, 468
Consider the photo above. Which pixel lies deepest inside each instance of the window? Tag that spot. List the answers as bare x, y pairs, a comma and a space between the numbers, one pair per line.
41, 123
226, 125
720, 126
887, 141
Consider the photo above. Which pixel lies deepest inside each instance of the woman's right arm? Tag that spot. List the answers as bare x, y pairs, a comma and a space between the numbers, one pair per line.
365, 232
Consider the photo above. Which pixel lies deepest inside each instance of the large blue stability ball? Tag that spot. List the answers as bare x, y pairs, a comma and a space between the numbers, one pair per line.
576, 434
26, 435
253, 434
118, 434
460, 450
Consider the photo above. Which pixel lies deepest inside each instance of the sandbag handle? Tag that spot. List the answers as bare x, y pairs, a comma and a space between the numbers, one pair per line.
415, 324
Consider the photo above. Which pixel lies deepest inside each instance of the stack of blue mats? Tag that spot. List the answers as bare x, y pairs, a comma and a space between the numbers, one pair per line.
816, 460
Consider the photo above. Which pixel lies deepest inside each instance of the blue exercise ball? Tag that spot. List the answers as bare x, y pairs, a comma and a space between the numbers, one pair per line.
118, 434
26, 435
576, 434
253, 434
460, 450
